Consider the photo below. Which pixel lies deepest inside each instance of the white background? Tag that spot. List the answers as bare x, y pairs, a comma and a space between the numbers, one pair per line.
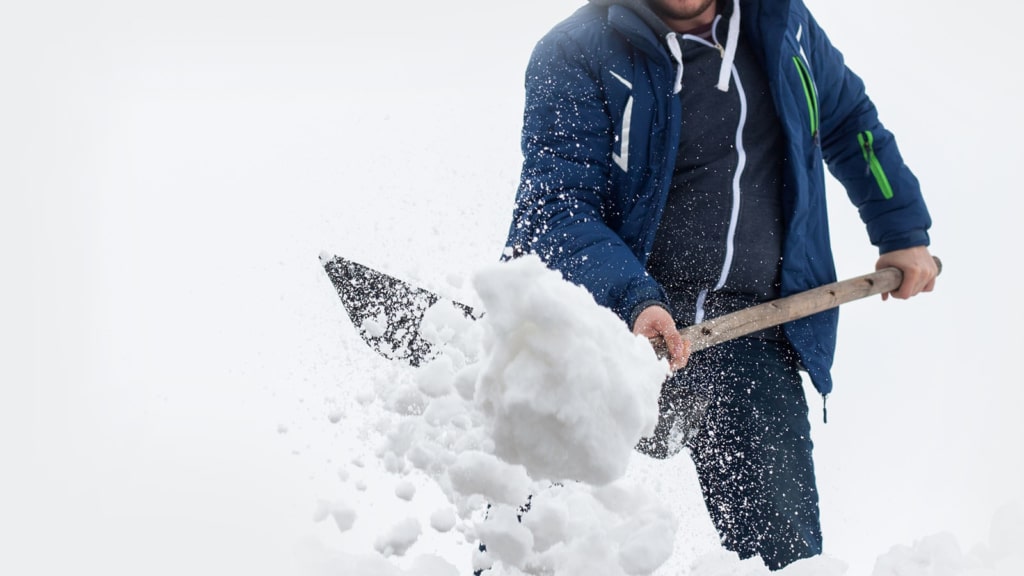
171, 349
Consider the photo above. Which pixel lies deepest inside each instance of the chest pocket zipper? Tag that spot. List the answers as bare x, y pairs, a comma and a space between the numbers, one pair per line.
810, 92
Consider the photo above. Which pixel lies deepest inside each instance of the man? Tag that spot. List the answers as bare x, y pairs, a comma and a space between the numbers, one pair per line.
674, 166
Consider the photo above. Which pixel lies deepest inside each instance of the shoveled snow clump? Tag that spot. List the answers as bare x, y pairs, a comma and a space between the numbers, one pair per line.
566, 388
537, 405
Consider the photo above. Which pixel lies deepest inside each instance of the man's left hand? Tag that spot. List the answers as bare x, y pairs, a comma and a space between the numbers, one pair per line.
918, 267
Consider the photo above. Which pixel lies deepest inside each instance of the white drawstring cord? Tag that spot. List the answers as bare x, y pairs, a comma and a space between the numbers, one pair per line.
677, 53
730, 48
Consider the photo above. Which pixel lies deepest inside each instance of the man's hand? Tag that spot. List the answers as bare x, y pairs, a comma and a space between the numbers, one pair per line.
918, 267
656, 322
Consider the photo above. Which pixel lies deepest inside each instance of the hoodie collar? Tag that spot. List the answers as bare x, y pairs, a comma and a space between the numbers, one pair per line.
671, 39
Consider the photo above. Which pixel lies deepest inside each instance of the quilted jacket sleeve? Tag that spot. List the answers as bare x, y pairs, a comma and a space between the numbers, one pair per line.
862, 154
565, 209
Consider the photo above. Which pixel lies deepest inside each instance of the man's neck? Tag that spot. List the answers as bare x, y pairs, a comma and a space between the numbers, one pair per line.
703, 31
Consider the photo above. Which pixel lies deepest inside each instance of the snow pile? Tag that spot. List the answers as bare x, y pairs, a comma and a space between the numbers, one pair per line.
941, 554
536, 406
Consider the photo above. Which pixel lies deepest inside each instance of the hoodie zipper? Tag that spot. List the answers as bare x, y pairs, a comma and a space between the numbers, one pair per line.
741, 162
867, 147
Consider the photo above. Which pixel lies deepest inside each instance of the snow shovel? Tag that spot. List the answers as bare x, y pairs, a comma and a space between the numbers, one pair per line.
387, 311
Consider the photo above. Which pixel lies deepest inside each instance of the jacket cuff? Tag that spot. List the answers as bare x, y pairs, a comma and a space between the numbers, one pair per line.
908, 240
640, 291
643, 306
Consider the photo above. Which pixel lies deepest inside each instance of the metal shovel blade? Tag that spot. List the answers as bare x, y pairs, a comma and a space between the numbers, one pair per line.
386, 311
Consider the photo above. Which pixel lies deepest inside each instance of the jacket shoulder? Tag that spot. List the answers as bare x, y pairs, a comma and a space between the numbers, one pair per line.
585, 39
585, 26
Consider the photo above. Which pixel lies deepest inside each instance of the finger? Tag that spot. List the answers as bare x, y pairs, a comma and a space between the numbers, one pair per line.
913, 281
677, 348
923, 280
684, 356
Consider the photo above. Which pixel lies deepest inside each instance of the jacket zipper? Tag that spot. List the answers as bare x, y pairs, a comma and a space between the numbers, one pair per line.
867, 141
810, 93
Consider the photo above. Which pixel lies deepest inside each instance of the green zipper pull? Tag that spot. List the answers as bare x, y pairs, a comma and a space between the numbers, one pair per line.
867, 146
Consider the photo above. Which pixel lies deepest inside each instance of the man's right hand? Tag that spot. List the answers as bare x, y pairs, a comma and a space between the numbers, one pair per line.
656, 323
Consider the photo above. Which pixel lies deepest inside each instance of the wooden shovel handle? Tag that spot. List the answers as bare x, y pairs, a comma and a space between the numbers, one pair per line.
768, 314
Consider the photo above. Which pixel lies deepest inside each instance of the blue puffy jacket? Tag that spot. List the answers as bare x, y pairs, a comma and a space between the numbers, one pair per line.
600, 137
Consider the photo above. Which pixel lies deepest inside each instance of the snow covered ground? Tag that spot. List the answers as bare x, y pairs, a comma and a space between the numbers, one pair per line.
180, 391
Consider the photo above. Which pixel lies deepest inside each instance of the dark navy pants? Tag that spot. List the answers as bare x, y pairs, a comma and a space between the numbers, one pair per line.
752, 448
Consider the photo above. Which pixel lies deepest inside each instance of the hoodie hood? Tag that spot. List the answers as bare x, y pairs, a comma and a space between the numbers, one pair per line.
642, 10
726, 9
